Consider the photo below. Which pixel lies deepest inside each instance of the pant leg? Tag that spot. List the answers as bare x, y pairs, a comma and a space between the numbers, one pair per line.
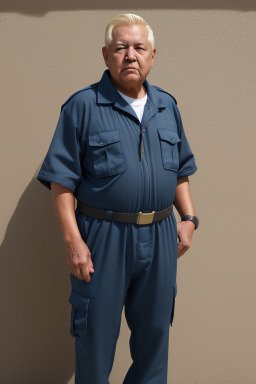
123, 254
97, 305
149, 302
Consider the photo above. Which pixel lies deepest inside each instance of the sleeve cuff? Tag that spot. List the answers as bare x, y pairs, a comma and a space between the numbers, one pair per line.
46, 179
187, 172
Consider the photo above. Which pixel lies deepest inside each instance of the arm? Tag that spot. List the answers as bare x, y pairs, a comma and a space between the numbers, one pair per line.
78, 254
184, 205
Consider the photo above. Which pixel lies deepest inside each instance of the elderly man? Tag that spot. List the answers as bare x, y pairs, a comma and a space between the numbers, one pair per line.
120, 149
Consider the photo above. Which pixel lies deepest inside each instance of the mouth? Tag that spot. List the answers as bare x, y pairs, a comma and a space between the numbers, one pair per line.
129, 68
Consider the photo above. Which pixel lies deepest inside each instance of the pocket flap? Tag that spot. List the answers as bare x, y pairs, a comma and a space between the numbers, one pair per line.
103, 138
167, 135
79, 301
175, 289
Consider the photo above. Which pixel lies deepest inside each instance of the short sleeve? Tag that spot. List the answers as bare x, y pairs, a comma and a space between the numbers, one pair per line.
62, 162
187, 165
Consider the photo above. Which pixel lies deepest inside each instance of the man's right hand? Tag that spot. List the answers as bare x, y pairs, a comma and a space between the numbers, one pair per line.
78, 254
79, 259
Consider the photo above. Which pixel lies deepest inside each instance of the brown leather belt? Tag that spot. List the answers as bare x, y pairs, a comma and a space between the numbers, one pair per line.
137, 218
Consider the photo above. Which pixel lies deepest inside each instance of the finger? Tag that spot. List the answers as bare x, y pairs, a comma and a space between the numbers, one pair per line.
77, 272
91, 268
90, 263
85, 273
179, 250
182, 250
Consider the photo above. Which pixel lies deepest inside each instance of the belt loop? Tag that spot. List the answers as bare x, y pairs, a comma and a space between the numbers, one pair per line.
109, 215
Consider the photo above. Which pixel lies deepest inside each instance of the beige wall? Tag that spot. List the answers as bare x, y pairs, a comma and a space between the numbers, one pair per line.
206, 59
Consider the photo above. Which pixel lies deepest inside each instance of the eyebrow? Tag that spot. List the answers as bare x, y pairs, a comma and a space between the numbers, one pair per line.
124, 43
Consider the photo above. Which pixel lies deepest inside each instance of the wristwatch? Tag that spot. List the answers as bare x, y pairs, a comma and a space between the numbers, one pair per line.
191, 218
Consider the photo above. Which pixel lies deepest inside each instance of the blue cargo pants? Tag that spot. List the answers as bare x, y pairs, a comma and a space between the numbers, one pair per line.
135, 267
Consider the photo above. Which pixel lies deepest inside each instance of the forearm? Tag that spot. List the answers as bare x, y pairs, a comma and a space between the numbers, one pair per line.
64, 206
183, 200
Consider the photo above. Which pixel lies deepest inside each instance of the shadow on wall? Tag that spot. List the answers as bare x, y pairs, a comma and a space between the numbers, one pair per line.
40, 8
36, 346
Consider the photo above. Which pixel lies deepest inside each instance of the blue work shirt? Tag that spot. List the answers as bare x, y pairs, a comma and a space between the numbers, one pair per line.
95, 149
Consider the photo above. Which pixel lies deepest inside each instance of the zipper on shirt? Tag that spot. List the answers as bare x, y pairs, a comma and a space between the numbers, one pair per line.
142, 130
142, 153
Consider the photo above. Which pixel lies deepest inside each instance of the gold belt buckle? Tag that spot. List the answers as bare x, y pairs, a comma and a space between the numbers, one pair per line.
145, 218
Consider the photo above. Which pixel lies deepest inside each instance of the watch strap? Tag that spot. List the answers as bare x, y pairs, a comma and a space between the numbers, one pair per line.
191, 218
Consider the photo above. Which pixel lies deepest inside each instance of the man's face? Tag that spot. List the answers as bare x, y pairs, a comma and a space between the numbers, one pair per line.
130, 55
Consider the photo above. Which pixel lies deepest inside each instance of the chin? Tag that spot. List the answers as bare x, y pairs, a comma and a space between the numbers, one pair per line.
131, 76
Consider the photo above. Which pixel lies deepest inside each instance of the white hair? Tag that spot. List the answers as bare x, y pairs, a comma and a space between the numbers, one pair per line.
127, 19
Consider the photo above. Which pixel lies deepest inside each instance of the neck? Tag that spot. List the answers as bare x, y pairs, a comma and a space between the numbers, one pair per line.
137, 91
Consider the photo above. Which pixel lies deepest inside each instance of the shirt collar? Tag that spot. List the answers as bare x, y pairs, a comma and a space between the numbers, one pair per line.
108, 94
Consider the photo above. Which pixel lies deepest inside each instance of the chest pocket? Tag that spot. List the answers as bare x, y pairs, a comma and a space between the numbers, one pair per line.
107, 153
169, 149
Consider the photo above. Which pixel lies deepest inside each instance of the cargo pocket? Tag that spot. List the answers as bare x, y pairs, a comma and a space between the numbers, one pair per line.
169, 148
107, 153
79, 314
173, 303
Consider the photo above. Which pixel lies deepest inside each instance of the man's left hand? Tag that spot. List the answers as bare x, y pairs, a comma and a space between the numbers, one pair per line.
185, 231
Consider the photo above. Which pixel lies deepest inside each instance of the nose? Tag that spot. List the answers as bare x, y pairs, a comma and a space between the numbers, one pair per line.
130, 54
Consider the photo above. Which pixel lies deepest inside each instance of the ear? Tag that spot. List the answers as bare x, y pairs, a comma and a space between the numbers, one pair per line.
105, 55
153, 56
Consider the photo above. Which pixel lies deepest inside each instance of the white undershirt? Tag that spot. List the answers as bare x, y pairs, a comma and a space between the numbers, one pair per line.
137, 104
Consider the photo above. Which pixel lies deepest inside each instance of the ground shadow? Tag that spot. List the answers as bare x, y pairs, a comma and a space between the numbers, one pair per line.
36, 346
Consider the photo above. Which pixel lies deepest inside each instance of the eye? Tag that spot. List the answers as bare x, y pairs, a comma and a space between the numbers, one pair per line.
140, 48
